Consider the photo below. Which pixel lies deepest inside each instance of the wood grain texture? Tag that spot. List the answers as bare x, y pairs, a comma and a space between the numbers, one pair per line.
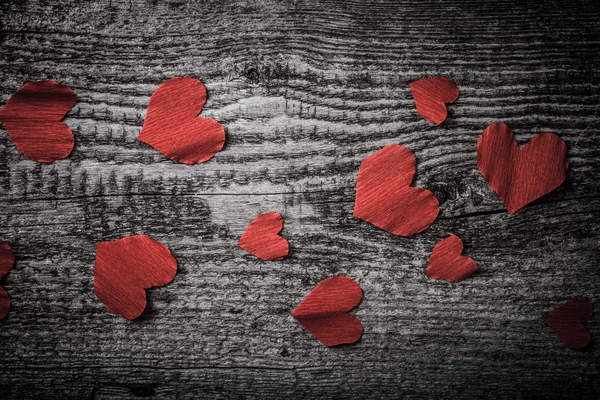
305, 90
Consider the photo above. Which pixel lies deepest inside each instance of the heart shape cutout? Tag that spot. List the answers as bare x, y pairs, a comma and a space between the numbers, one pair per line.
126, 267
446, 262
431, 96
33, 119
324, 312
521, 176
172, 125
7, 260
385, 198
262, 239
566, 321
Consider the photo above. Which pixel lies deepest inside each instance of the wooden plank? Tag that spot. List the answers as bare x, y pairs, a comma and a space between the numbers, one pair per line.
305, 90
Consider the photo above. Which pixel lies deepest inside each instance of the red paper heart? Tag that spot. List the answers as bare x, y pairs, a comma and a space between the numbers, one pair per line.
126, 267
431, 96
324, 312
172, 125
446, 262
7, 260
385, 198
262, 239
521, 176
32, 117
566, 321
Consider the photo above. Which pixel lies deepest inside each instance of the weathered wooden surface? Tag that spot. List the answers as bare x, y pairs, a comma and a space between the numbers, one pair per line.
306, 90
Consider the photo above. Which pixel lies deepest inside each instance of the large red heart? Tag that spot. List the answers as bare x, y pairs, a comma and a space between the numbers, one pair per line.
431, 96
172, 125
324, 312
32, 117
7, 260
566, 321
446, 262
262, 239
385, 198
521, 176
126, 267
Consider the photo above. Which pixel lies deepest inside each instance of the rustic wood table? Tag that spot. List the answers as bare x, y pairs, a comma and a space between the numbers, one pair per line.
305, 90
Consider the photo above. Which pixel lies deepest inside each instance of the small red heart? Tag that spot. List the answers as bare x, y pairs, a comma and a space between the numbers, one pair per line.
521, 176
446, 262
32, 117
262, 239
566, 321
324, 312
126, 267
431, 96
7, 260
385, 198
172, 125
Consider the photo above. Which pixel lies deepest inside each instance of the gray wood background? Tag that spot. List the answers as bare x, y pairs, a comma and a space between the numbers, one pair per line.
305, 90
